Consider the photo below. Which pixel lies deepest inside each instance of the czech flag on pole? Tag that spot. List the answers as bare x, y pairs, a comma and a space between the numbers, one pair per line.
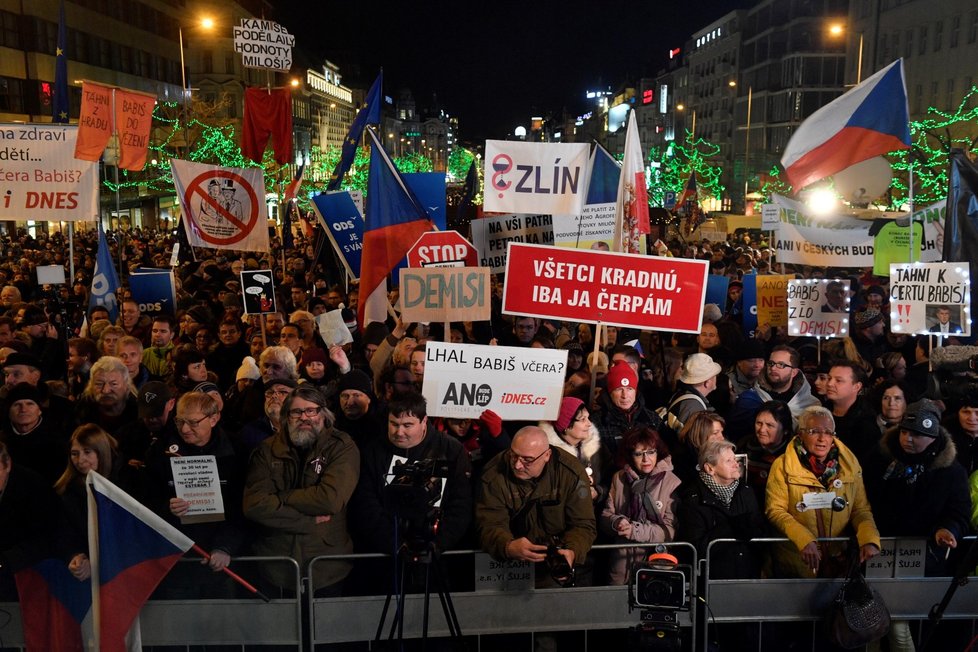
870, 120
395, 219
131, 551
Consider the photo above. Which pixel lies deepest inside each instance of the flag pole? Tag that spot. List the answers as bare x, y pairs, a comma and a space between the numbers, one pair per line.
71, 253
234, 576
910, 197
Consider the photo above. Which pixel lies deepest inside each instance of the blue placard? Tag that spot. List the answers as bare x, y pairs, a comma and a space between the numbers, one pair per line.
716, 290
153, 290
749, 299
344, 224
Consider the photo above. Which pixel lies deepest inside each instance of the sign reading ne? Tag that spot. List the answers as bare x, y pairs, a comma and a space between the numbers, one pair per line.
445, 294
521, 384
818, 307
41, 179
263, 44
491, 235
930, 298
628, 290
772, 299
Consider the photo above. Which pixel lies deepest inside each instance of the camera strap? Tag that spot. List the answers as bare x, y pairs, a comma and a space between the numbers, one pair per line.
650, 507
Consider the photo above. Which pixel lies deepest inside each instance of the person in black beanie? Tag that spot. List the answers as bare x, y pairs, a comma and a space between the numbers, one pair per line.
359, 412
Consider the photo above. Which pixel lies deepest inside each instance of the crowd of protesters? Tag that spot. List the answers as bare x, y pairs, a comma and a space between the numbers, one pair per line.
304, 431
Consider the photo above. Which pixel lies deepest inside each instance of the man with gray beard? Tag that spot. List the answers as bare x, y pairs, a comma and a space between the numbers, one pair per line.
298, 485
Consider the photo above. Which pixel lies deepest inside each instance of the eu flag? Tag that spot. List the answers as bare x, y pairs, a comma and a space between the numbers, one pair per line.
369, 114
59, 103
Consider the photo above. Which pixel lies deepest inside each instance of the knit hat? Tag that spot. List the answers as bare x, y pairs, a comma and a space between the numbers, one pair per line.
597, 362
568, 408
313, 354
357, 380
698, 368
711, 313
24, 392
248, 369
26, 359
206, 386
750, 349
152, 399
621, 375
868, 318
923, 418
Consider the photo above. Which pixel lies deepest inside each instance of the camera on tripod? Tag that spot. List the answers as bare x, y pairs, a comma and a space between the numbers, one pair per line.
660, 587
414, 496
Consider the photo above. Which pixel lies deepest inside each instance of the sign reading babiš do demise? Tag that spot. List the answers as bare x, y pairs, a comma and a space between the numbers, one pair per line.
646, 292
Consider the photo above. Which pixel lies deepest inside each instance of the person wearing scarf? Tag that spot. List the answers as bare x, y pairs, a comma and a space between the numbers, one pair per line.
814, 491
640, 502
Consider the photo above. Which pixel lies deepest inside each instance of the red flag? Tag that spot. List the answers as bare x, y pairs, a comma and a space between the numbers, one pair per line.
94, 121
134, 120
267, 113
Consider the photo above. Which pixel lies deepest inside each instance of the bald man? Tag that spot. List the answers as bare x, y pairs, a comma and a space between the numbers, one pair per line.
530, 495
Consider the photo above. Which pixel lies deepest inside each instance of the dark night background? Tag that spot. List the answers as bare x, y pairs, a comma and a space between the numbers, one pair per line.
494, 64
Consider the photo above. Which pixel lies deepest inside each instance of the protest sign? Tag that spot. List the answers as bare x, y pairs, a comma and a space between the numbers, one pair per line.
818, 307
930, 298
443, 294
154, 291
258, 292
41, 178
772, 299
716, 289
196, 480
520, 384
263, 44
596, 224
891, 242
748, 302
628, 290
769, 217
333, 329
342, 221
490, 235
535, 177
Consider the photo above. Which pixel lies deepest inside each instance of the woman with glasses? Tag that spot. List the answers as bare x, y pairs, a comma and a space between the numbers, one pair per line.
574, 432
815, 490
639, 507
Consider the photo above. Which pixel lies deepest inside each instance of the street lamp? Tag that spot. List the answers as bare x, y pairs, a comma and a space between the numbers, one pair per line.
838, 29
208, 24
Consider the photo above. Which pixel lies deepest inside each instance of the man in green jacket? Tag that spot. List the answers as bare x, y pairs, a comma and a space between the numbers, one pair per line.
297, 490
531, 495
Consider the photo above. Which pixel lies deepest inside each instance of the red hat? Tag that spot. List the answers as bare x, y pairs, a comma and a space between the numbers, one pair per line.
621, 375
568, 408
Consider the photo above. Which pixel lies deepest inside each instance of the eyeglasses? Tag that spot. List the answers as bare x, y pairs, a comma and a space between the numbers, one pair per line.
644, 454
778, 365
193, 424
816, 432
276, 392
525, 461
309, 413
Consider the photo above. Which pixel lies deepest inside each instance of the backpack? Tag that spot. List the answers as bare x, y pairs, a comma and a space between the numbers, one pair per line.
670, 419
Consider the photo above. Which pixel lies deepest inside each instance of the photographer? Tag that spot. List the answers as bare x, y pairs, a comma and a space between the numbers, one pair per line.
531, 495
409, 441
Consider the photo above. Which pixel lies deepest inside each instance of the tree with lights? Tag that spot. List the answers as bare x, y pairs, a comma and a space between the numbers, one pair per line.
670, 168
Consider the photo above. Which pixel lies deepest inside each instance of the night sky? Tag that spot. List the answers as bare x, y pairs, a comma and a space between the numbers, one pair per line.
493, 65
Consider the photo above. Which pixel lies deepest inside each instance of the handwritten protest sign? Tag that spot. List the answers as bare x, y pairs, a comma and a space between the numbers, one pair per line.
930, 298
445, 294
818, 307
490, 235
628, 290
195, 480
463, 380
772, 299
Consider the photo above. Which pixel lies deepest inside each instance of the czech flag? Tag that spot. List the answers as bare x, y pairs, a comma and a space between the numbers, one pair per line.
395, 219
871, 119
53, 606
131, 551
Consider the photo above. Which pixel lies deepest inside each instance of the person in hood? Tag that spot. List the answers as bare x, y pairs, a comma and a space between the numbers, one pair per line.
574, 432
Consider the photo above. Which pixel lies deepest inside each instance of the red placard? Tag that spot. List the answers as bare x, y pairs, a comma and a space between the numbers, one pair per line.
442, 249
647, 292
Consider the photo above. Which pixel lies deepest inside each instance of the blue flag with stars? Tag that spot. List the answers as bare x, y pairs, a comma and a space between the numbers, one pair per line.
369, 114
59, 101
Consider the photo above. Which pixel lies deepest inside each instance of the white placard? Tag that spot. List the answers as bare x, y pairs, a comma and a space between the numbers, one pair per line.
596, 224
263, 44
818, 307
769, 217
463, 380
509, 575
196, 480
930, 298
490, 236
911, 555
546, 178
333, 328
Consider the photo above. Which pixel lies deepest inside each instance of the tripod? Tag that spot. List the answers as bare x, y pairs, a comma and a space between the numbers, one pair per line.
426, 553
960, 578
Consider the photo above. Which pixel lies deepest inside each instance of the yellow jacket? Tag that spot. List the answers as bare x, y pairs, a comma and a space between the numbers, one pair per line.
787, 485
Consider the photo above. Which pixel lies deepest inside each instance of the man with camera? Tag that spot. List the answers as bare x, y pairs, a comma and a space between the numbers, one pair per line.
384, 517
536, 497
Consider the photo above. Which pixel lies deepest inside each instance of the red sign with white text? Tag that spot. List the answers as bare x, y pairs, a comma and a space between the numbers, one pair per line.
646, 292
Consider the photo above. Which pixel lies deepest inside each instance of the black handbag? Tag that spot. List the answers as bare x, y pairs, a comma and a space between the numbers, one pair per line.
858, 615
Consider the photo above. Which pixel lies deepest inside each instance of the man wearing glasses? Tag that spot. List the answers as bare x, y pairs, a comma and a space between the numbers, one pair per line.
532, 494
297, 490
783, 381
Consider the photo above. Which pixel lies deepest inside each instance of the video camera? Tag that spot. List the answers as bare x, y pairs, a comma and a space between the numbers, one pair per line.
561, 571
660, 587
414, 496
955, 373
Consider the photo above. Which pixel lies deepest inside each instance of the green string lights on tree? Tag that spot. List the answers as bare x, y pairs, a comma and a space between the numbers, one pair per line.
671, 167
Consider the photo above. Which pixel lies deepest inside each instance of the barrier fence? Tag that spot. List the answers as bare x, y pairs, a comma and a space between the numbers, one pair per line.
492, 598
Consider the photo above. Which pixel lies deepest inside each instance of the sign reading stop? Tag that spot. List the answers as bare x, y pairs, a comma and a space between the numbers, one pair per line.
442, 249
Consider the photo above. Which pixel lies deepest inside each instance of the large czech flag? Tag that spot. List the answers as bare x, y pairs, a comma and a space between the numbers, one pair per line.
871, 119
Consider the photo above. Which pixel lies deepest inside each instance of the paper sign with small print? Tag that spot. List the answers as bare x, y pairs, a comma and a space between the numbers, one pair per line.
772, 299
521, 384
333, 328
508, 575
440, 294
490, 235
196, 480
910, 557
258, 292
818, 307
930, 298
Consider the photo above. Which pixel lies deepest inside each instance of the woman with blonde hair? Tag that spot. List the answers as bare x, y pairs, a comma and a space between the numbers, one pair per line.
701, 428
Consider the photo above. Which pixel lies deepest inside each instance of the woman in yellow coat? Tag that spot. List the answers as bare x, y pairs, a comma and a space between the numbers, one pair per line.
816, 490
